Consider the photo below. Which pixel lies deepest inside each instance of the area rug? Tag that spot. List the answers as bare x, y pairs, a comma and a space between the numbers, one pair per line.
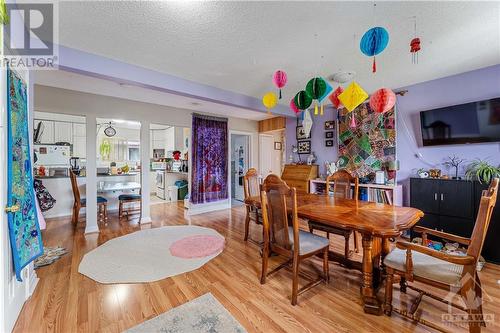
145, 256
203, 314
49, 256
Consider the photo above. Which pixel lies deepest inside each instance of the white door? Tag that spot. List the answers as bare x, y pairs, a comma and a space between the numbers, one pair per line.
266, 156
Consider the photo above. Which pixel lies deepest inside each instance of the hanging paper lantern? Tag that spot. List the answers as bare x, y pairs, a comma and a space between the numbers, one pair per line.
269, 100
353, 96
382, 100
307, 123
328, 90
334, 97
316, 87
373, 42
279, 80
302, 100
294, 107
414, 48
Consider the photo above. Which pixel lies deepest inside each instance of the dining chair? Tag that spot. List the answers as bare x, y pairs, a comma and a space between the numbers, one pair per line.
342, 181
126, 199
79, 203
282, 235
454, 273
251, 188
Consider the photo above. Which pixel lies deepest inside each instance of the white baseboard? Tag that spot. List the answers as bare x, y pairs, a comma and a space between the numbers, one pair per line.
146, 220
208, 207
91, 230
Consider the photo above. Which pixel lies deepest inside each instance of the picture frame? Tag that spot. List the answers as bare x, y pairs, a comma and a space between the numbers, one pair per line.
277, 145
300, 133
304, 147
329, 125
329, 135
329, 143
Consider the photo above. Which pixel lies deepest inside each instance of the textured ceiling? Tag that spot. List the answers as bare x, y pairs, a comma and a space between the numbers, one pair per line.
238, 45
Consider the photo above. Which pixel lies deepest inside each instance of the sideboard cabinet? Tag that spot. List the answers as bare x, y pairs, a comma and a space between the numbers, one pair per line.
299, 175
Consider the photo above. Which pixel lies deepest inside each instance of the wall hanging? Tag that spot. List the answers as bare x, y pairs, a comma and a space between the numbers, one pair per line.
24, 230
373, 42
316, 88
269, 100
382, 100
279, 80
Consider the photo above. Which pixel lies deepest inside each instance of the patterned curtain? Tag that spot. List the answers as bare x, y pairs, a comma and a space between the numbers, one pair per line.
209, 161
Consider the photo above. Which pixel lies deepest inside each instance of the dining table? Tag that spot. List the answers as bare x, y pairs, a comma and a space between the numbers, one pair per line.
376, 222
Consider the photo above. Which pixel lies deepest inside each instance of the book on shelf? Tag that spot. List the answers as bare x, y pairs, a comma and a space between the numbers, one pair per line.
376, 195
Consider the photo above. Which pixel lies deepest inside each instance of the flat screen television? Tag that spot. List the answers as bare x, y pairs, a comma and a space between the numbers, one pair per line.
474, 122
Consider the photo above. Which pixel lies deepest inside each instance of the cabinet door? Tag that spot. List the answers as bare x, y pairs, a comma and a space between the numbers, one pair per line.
455, 198
79, 147
48, 131
63, 132
424, 195
456, 226
79, 129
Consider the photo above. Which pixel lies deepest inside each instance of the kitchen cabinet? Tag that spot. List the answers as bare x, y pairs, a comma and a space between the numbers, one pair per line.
48, 131
79, 147
79, 130
63, 132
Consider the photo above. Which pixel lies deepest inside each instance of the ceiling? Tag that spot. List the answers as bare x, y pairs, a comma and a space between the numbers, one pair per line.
238, 45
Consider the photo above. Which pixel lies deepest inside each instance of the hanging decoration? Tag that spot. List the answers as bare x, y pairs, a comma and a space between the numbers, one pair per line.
382, 100
307, 123
353, 96
316, 88
4, 15
279, 80
352, 124
302, 100
328, 90
343, 76
294, 107
373, 42
414, 43
334, 98
269, 100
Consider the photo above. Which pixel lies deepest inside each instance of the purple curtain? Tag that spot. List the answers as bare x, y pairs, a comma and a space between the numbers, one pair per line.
209, 160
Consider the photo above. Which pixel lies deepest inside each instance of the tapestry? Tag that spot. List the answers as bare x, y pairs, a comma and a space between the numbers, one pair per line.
371, 144
209, 162
24, 231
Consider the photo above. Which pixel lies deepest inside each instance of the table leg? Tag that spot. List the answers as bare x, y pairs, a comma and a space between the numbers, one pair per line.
370, 303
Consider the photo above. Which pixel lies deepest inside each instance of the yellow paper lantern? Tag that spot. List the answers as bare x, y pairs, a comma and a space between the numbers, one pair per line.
353, 96
269, 100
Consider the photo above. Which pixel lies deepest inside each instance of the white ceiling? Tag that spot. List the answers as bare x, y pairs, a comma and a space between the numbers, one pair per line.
78, 82
238, 45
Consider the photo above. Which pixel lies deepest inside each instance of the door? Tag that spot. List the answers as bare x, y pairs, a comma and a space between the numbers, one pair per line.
455, 198
240, 159
425, 195
266, 156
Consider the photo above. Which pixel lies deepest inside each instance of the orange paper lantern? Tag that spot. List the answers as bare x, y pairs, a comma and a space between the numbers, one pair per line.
382, 100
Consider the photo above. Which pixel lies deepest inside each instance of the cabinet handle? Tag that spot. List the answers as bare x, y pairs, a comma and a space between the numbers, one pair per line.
435, 196
442, 197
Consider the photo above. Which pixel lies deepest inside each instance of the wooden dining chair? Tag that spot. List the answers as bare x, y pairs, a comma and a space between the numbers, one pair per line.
251, 188
342, 181
79, 203
282, 234
454, 273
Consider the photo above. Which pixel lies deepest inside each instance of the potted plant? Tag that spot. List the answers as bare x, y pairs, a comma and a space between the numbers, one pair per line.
482, 171
454, 162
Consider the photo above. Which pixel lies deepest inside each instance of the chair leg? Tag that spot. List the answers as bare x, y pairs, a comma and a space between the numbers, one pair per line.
120, 209
265, 259
74, 218
402, 284
389, 280
356, 246
479, 296
105, 208
247, 225
295, 281
327, 235
326, 270
468, 293
311, 229
346, 245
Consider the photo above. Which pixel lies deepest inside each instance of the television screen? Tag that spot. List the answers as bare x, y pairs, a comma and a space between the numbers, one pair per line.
465, 123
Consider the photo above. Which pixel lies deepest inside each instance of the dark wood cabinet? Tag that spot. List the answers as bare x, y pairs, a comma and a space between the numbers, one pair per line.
451, 206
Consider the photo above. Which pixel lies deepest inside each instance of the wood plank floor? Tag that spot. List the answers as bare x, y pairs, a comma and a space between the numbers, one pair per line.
66, 301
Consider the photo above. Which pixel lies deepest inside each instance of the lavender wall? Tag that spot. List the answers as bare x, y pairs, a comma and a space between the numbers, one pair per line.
457, 89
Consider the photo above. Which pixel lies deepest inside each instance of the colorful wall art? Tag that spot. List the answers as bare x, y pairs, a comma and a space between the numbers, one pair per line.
24, 230
365, 148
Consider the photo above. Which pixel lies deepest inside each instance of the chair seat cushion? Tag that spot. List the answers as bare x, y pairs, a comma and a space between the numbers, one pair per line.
99, 200
129, 197
426, 266
333, 230
308, 242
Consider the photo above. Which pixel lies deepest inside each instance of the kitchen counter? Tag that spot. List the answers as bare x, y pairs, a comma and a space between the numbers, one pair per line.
99, 175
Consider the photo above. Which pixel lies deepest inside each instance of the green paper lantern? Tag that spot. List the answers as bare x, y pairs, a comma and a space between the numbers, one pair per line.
302, 100
316, 87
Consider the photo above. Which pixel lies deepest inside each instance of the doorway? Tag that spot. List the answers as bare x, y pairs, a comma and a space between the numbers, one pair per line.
240, 160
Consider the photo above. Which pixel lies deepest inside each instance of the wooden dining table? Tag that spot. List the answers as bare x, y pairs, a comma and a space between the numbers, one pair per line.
376, 222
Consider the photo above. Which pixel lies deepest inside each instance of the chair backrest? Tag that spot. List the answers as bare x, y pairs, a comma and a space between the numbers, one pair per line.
486, 205
251, 184
74, 185
342, 181
275, 198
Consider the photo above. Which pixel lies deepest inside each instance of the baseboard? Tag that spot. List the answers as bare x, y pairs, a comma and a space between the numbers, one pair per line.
146, 220
91, 230
208, 207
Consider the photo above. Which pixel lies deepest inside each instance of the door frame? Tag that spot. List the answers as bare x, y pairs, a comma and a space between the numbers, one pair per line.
250, 157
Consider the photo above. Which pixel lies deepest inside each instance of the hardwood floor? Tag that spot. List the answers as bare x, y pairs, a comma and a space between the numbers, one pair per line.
66, 301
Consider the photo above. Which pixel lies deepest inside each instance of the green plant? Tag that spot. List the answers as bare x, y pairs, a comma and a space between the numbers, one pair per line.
482, 171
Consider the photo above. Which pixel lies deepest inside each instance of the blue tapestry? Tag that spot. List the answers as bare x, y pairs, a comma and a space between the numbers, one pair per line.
24, 231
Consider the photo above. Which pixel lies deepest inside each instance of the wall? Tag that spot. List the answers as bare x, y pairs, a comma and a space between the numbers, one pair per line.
457, 89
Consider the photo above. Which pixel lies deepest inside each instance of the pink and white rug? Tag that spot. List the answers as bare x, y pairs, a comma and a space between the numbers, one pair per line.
152, 254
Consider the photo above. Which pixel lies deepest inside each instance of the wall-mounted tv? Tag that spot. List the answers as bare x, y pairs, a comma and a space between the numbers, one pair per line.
474, 122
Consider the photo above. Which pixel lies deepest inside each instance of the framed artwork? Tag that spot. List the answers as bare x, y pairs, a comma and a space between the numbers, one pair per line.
304, 147
329, 125
329, 143
277, 145
329, 135
301, 134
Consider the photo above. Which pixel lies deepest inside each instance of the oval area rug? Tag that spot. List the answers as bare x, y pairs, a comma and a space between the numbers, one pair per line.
144, 256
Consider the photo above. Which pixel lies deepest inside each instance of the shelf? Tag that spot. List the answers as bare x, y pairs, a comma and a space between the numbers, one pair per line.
388, 187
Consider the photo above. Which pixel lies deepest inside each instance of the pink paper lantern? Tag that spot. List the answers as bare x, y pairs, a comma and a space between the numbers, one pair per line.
334, 98
294, 107
382, 100
279, 80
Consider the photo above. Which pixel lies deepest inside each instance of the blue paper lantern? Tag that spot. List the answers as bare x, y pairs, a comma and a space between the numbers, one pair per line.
373, 42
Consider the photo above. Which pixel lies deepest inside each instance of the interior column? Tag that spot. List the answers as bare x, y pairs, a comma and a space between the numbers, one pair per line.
91, 185
145, 183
